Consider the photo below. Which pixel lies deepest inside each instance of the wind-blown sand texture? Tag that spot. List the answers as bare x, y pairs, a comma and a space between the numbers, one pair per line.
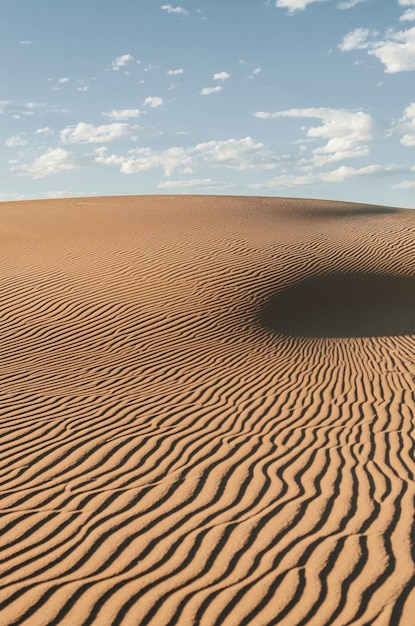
207, 412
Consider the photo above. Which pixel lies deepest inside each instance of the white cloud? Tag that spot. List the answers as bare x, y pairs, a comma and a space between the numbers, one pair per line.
34, 105
54, 161
63, 80
236, 154
46, 130
17, 141
206, 91
26, 42
102, 157
221, 76
82, 85
204, 183
144, 159
122, 114
295, 5
408, 15
10, 107
346, 131
405, 184
407, 126
343, 173
349, 4
396, 51
153, 102
255, 72
355, 40
175, 72
88, 133
10, 197
70, 194
339, 175
171, 9
121, 61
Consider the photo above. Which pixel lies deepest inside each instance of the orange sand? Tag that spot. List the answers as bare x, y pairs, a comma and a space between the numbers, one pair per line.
207, 412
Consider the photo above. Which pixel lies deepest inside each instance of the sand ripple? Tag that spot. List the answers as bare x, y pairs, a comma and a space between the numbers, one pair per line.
207, 412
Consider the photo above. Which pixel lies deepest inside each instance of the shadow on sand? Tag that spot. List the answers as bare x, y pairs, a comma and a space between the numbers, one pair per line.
361, 211
335, 305
340, 212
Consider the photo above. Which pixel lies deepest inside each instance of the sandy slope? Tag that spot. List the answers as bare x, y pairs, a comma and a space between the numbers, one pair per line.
207, 412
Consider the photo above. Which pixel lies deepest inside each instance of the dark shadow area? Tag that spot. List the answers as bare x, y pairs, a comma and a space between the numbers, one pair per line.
343, 306
339, 212
352, 211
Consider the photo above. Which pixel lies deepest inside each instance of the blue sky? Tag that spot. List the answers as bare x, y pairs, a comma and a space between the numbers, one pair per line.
304, 98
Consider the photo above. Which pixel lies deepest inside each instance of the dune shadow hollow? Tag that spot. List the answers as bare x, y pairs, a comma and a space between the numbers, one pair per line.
340, 212
336, 305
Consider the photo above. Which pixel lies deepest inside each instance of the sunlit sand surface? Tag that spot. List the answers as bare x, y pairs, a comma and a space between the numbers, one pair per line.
207, 412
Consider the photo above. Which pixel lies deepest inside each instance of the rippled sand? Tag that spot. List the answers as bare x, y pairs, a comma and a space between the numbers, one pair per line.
207, 412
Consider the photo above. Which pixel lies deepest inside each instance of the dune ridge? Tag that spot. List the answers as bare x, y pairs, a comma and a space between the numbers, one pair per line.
207, 412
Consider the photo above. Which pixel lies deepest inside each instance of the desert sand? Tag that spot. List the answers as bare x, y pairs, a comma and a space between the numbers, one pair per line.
207, 412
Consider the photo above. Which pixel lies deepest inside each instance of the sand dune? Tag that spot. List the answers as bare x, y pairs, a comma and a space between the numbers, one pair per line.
207, 412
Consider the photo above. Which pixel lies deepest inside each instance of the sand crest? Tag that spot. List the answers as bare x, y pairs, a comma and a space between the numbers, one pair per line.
207, 412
